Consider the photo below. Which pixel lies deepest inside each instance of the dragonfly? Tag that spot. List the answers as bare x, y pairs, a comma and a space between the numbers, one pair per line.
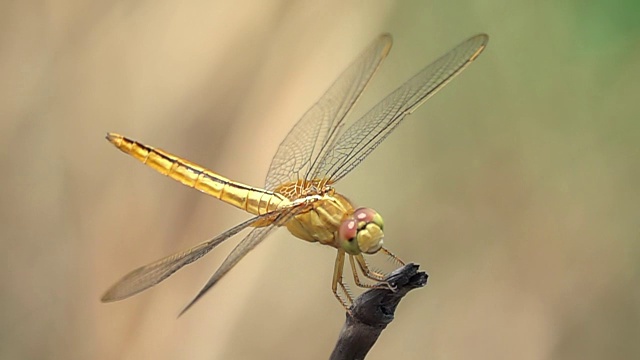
299, 191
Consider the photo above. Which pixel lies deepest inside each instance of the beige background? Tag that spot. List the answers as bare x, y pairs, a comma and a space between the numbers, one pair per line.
516, 187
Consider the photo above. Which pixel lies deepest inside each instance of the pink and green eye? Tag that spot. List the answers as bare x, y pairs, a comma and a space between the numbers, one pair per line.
367, 215
348, 230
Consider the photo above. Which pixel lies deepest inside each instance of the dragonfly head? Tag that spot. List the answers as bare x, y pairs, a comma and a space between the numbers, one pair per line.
361, 232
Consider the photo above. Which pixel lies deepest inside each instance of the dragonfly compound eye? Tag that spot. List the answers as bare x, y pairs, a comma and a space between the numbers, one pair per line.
347, 233
366, 216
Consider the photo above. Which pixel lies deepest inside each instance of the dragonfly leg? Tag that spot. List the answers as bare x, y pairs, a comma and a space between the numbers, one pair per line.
392, 256
338, 269
373, 275
356, 278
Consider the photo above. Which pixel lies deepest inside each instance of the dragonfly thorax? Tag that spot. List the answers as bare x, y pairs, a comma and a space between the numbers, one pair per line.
303, 187
320, 222
332, 220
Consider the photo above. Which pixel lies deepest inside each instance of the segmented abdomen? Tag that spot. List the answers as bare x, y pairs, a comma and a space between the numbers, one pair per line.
253, 200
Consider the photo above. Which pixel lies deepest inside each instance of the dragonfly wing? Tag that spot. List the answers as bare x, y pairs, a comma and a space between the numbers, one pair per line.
359, 140
149, 275
317, 129
255, 237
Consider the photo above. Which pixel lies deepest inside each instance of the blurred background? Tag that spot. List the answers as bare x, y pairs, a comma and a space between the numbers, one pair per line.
515, 188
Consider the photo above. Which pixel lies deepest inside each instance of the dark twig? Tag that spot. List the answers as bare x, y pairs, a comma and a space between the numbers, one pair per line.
372, 311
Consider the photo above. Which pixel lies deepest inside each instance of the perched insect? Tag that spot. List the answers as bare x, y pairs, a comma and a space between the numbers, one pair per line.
298, 192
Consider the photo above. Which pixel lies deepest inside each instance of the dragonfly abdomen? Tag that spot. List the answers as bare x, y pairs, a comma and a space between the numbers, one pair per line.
253, 200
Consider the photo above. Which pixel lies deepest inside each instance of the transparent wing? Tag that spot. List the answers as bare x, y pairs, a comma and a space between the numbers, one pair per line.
359, 140
149, 275
314, 133
253, 239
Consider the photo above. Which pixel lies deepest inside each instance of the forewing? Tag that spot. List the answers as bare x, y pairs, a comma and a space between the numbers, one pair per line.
359, 140
298, 153
149, 275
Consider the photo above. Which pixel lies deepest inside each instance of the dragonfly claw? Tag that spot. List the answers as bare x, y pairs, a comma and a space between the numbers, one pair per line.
386, 285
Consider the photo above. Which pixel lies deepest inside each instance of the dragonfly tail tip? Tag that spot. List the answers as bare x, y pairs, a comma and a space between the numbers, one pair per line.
112, 137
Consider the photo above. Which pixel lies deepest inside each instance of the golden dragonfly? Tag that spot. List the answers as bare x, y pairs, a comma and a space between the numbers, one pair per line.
298, 191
